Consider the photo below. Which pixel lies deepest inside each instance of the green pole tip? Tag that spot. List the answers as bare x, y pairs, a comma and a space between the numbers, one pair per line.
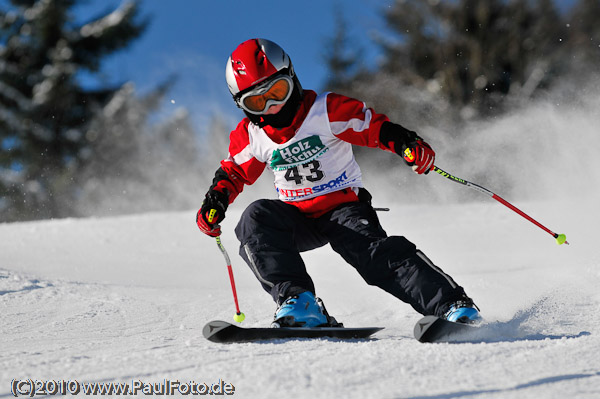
561, 239
239, 317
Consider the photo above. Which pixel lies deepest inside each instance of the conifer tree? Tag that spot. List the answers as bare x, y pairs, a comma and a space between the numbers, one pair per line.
45, 112
135, 166
478, 57
341, 56
475, 51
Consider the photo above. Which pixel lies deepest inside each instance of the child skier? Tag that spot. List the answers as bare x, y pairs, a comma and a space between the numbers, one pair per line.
306, 140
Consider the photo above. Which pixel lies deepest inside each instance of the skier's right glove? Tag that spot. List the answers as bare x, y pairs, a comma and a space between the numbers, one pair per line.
212, 213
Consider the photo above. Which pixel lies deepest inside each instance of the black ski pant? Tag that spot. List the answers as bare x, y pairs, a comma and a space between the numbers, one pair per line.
273, 234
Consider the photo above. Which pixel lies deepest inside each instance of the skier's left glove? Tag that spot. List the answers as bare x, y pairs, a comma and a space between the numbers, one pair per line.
419, 155
212, 213
406, 143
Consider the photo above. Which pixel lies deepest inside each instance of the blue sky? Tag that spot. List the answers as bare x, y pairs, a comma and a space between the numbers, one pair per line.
193, 39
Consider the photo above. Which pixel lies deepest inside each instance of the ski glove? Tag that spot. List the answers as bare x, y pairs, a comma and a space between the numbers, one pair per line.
406, 143
212, 213
420, 156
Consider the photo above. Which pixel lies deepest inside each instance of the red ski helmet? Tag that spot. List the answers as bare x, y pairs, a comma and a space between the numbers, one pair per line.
252, 62
254, 69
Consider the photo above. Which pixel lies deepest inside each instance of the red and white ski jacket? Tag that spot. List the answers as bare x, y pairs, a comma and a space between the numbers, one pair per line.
349, 120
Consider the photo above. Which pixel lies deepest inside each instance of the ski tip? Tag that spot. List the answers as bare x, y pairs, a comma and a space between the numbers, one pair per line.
422, 326
213, 327
431, 329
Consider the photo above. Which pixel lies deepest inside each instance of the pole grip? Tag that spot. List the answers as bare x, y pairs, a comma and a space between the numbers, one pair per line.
211, 215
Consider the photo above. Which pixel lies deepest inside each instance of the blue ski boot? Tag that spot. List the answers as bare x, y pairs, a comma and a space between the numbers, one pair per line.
463, 312
303, 310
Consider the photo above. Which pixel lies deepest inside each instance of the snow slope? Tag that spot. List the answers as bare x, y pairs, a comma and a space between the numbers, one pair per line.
121, 299
124, 299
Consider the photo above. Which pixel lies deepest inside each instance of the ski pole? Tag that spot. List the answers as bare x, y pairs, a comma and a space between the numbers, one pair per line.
238, 316
560, 238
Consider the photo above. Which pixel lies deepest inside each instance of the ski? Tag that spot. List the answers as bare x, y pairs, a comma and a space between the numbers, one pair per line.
223, 332
435, 329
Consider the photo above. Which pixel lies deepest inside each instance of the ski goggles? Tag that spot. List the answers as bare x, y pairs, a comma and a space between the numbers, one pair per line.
258, 100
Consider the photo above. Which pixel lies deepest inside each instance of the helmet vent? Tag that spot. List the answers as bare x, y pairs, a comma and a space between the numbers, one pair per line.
261, 57
241, 70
